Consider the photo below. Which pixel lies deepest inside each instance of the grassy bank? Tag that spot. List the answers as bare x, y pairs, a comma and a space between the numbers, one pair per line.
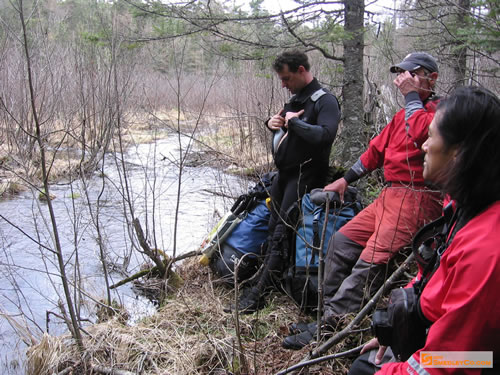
190, 334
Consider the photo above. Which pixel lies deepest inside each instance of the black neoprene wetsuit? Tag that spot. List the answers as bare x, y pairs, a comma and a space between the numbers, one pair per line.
301, 156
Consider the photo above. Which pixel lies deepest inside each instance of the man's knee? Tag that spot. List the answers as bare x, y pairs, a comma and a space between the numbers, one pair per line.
341, 256
354, 290
363, 366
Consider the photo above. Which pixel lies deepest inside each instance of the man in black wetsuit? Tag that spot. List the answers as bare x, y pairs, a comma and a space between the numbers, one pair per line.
304, 131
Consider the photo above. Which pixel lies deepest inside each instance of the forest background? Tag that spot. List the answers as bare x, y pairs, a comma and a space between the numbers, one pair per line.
80, 80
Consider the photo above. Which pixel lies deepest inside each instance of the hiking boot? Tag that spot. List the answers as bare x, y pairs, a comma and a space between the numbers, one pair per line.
308, 335
299, 340
299, 327
249, 302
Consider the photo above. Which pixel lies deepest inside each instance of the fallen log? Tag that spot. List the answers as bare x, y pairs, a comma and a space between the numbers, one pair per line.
134, 277
154, 270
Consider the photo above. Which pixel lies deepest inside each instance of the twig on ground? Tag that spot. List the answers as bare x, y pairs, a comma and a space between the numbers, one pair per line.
315, 361
66, 371
242, 357
110, 371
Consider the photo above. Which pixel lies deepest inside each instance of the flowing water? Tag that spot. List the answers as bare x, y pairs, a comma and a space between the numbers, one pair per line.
30, 288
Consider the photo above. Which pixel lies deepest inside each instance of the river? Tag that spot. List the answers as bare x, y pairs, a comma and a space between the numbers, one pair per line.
30, 288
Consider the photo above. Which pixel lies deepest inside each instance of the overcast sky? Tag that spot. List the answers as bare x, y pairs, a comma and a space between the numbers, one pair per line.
381, 7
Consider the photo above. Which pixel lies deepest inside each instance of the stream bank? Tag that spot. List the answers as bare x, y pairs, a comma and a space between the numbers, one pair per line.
30, 284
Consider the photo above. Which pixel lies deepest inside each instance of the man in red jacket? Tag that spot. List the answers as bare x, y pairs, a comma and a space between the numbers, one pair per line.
357, 258
456, 295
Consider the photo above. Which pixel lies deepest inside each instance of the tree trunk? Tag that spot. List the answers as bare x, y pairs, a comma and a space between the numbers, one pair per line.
460, 49
352, 91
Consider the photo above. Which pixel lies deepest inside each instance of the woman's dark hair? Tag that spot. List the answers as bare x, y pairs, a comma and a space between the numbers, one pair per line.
470, 119
293, 59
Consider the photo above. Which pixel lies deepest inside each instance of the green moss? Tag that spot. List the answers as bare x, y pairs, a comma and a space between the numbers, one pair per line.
43, 196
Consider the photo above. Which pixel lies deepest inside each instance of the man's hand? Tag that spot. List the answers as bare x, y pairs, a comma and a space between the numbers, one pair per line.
340, 186
374, 344
290, 115
277, 121
407, 83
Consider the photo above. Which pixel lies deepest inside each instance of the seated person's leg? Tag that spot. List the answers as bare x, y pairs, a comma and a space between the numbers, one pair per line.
364, 281
340, 259
362, 366
345, 248
399, 215
395, 224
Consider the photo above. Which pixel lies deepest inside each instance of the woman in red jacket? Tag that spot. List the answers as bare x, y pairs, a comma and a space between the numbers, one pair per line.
460, 299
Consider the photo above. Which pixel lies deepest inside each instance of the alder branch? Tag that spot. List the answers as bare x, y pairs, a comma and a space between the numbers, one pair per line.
309, 44
145, 246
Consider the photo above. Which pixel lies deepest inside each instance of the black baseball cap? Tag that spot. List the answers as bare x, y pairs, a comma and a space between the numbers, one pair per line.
416, 60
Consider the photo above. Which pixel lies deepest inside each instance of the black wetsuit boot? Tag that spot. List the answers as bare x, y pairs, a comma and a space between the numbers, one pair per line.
253, 299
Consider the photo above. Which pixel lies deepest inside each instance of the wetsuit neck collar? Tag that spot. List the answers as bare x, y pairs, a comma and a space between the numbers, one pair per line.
306, 92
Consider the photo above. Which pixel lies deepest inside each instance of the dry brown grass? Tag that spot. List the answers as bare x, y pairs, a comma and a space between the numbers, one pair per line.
190, 334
